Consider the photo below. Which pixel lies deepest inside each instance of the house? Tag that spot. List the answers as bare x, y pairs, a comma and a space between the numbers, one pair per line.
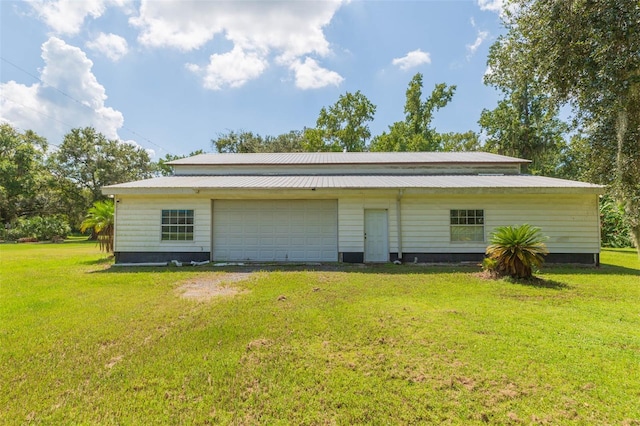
348, 207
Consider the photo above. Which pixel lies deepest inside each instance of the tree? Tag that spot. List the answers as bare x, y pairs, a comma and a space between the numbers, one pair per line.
525, 123
286, 142
344, 126
523, 126
238, 142
23, 177
100, 219
415, 133
86, 161
585, 52
247, 142
457, 142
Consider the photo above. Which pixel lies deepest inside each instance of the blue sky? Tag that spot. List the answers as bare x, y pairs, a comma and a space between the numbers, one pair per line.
171, 75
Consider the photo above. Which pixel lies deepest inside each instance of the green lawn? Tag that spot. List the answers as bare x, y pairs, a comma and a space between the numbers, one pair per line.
84, 342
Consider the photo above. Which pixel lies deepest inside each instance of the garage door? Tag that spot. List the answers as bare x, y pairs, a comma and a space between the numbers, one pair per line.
275, 230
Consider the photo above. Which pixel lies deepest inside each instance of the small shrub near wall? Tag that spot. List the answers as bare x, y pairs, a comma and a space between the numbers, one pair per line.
39, 229
515, 251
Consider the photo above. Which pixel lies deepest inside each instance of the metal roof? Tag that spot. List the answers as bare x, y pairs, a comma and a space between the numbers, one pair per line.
325, 158
534, 184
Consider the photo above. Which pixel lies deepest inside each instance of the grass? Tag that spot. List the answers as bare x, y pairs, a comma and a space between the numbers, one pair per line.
81, 342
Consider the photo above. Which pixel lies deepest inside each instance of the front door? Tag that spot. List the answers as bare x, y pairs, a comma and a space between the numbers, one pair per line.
376, 236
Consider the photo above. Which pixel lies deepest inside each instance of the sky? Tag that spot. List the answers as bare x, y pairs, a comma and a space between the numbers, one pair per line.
171, 75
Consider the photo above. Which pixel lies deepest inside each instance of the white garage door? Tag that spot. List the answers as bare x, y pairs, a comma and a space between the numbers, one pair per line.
275, 230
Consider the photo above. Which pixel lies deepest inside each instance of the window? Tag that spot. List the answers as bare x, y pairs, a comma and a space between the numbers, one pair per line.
467, 225
177, 225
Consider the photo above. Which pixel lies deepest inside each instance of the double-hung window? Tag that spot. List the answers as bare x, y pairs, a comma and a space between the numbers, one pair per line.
177, 225
467, 225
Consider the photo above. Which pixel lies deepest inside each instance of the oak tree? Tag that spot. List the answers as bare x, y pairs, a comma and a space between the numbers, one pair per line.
587, 53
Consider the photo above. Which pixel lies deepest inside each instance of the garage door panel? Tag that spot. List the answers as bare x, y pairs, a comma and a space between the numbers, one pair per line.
275, 230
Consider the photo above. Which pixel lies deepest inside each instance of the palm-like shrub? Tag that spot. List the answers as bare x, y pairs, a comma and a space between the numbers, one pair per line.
517, 250
100, 218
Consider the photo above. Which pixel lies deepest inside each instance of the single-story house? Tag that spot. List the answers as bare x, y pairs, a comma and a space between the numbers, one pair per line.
348, 207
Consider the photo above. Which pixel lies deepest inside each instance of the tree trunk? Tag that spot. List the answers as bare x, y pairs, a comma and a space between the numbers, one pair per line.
628, 162
635, 236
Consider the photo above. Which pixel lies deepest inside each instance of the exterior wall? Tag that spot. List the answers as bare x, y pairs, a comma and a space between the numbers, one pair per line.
138, 225
571, 223
351, 222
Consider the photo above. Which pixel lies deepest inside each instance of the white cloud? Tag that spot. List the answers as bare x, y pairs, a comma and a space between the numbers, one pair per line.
491, 5
112, 46
412, 59
258, 30
79, 100
67, 16
498, 6
291, 27
310, 75
472, 48
231, 69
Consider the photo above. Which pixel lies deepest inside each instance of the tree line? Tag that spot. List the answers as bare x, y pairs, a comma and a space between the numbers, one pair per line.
60, 185
555, 54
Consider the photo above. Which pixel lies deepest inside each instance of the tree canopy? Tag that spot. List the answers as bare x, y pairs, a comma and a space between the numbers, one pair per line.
23, 178
342, 126
86, 161
585, 53
246, 142
416, 133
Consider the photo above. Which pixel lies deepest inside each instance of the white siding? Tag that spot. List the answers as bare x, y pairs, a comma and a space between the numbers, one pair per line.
570, 222
351, 222
138, 224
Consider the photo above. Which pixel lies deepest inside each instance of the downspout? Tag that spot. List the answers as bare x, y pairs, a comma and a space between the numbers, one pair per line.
115, 222
399, 221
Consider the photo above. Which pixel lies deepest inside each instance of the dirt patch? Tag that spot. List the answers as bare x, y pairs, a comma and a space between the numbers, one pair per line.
206, 287
113, 361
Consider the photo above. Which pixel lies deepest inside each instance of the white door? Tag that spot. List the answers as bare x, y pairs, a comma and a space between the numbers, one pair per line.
275, 230
376, 239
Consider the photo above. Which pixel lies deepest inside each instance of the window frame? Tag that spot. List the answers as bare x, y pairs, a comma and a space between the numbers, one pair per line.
177, 225
469, 223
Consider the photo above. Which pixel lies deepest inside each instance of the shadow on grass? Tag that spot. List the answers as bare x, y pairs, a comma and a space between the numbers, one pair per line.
603, 269
101, 261
539, 283
386, 268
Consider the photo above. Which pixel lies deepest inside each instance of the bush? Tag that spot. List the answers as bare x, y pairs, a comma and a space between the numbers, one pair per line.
516, 251
39, 228
614, 231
